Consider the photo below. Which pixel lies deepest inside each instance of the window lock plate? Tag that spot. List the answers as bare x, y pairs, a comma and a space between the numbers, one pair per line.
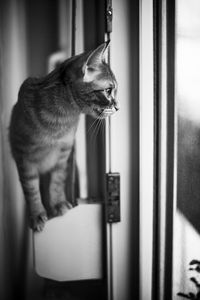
113, 197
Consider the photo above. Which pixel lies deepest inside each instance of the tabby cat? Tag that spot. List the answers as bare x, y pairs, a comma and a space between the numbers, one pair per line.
44, 122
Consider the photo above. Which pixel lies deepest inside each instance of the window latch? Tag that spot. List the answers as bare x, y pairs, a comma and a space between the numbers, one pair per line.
113, 197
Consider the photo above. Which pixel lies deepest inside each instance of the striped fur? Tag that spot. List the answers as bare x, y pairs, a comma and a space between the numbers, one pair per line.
44, 122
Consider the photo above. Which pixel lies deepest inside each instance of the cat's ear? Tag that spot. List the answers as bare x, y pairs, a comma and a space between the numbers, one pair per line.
96, 58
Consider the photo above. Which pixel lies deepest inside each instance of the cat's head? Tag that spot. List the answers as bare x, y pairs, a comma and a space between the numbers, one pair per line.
93, 84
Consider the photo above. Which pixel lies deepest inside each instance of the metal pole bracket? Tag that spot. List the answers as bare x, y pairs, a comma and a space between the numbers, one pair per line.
109, 16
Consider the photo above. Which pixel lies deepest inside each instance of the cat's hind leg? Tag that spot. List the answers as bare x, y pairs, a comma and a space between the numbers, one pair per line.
30, 183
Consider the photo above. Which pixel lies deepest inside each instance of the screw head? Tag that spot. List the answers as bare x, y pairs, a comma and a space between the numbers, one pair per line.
110, 12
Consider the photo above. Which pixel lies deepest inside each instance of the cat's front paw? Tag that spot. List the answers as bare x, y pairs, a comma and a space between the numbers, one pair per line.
60, 208
38, 221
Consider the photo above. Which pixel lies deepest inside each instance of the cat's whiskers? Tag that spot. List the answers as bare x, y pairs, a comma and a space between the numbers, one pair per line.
102, 130
95, 131
104, 134
92, 125
97, 128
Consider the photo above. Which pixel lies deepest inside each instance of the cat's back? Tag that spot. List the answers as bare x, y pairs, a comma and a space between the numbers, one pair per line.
25, 99
23, 126
36, 127
21, 112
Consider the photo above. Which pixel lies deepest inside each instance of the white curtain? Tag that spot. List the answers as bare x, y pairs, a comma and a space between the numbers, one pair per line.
14, 235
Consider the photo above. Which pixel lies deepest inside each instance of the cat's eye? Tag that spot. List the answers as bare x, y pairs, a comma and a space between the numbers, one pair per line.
108, 91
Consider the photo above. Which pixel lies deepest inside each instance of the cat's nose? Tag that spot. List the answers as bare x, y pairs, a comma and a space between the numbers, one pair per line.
116, 105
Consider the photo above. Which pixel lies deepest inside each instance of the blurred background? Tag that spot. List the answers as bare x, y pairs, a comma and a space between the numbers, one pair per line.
153, 143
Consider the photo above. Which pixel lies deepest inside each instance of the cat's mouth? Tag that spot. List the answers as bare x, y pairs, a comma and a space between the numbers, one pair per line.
104, 113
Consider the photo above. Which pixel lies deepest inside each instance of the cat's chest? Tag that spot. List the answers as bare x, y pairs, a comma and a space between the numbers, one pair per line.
67, 139
57, 152
55, 140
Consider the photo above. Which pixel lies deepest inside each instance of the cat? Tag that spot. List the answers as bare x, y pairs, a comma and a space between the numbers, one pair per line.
44, 122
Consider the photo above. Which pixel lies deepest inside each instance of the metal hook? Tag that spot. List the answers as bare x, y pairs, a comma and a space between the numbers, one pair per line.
109, 16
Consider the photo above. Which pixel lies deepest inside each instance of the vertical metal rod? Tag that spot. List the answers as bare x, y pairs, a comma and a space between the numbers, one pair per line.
109, 118
109, 15
73, 27
111, 262
109, 139
110, 227
73, 52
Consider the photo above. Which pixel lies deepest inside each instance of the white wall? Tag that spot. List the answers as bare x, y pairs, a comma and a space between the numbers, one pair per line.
13, 72
146, 147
